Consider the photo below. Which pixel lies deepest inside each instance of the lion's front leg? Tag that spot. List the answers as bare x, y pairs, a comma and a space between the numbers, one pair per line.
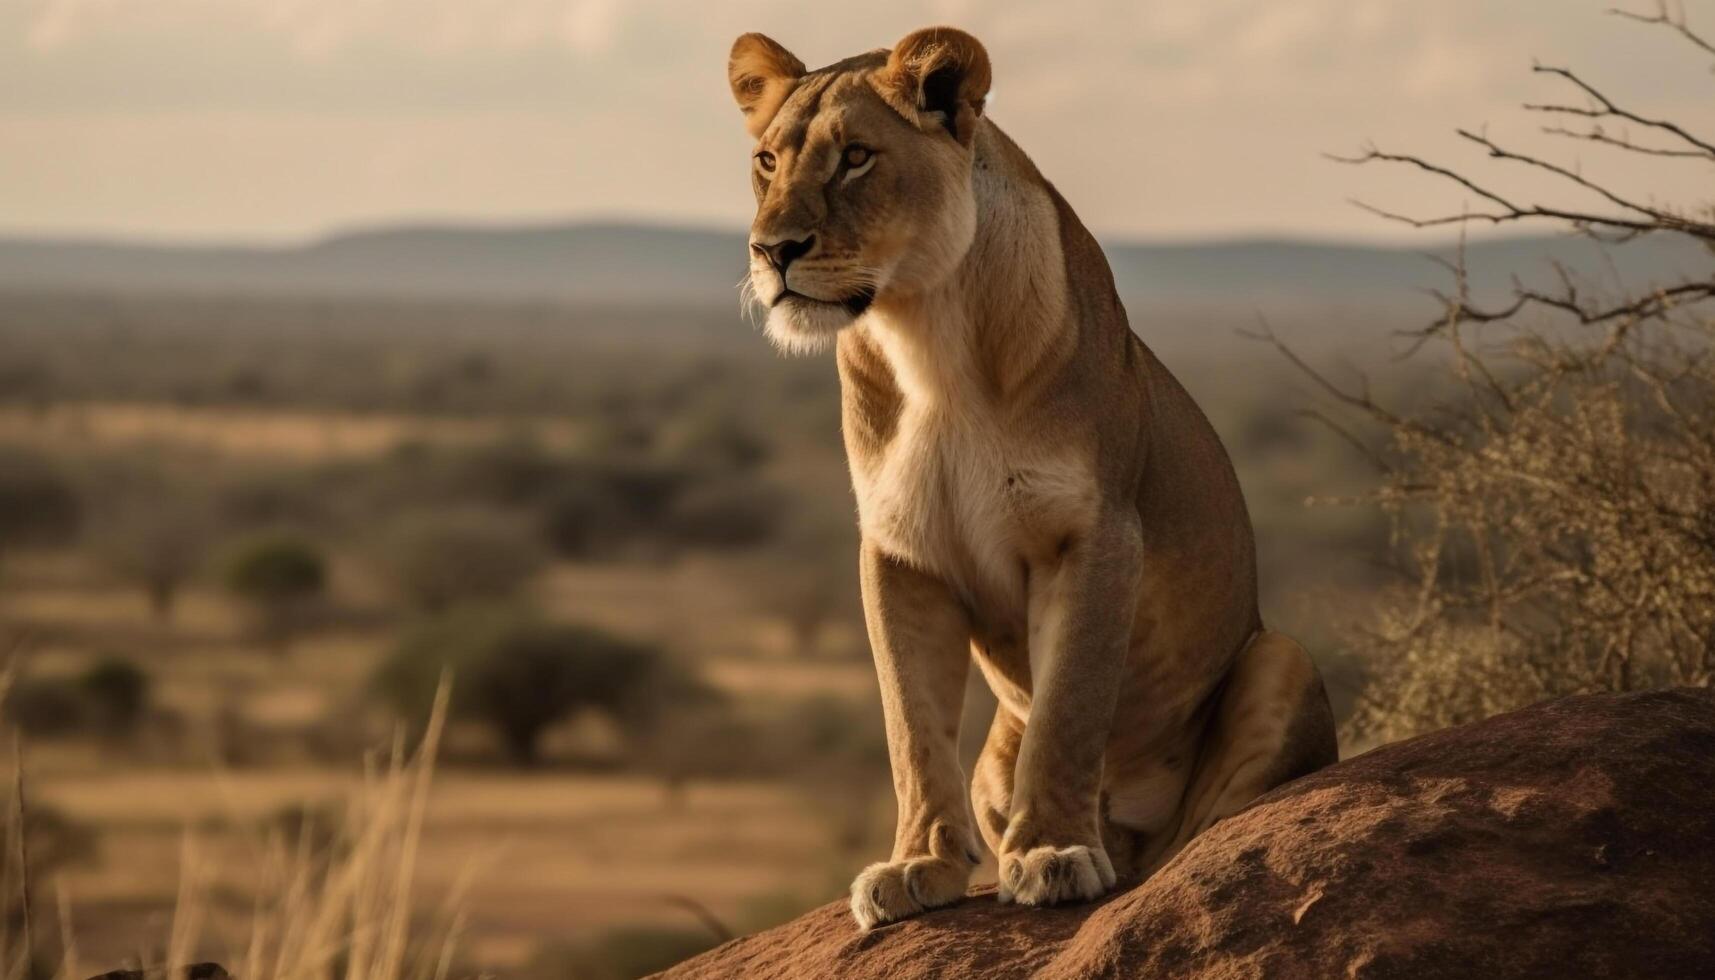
1080, 629
920, 635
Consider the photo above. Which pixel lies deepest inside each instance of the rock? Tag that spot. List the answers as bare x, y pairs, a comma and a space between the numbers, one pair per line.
1571, 839
196, 971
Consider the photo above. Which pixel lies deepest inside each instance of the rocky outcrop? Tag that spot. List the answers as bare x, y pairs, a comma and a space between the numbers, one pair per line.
1571, 839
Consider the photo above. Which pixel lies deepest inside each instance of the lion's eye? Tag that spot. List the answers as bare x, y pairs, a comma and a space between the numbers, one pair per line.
856, 156
765, 161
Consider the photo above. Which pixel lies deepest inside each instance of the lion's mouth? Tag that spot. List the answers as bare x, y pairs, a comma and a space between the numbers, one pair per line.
855, 304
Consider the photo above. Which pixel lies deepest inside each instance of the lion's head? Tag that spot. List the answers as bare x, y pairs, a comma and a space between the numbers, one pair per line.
862, 172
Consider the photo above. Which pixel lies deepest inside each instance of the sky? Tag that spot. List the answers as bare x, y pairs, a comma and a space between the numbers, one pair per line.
266, 120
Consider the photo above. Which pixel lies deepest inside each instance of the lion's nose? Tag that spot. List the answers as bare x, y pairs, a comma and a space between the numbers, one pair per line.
783, 253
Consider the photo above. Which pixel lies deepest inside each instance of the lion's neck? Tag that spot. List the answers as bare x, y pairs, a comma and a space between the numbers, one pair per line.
996, 325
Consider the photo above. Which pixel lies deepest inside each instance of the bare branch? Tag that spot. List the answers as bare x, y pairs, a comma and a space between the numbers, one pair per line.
1362, 400
1347, 436
1665, 218
1597, 135
1647, 306
1650, 221
1371, 153
1678, 24
1606, 108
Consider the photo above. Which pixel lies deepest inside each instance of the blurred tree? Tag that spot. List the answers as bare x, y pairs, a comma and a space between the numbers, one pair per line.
438, 558
116, 692
280, 575
840, 754
271, 497
703, 738
600, 506
38, 506
109, 698
520, 674
514, 474
727, 513
712, 440
808, 579
585, 518
511, 472
156, 538
44, 707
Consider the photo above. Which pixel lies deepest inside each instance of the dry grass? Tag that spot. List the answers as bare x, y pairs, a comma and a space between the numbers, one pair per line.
562, 856
339, 905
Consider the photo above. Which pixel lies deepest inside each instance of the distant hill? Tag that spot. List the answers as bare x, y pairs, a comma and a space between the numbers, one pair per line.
592, 263
621, 264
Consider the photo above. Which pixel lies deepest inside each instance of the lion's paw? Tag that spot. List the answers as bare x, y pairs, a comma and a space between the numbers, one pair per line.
1051, 875
893, 890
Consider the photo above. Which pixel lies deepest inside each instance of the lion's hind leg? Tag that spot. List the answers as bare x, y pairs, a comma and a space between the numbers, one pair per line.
1272, 725
991, 780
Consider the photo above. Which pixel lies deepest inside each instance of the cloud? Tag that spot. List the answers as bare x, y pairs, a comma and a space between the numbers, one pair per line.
1178, 116
320, 29
55, 24
591, 26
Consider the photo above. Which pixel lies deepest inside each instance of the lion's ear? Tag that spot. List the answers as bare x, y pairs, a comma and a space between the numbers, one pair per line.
941, 76
762, 74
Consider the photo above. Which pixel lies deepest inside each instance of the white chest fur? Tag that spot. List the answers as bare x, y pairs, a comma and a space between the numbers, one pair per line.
960, 492
934, 498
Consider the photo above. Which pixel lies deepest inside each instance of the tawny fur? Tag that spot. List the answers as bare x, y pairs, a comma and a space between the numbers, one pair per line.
1035, 491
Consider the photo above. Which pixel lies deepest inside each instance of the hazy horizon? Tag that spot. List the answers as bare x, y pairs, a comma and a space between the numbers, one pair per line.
1386, 237
287, 120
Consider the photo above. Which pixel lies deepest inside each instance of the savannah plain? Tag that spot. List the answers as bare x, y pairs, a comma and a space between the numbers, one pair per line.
671, 487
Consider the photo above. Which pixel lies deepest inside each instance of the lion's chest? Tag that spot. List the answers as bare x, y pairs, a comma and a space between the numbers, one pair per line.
960, 496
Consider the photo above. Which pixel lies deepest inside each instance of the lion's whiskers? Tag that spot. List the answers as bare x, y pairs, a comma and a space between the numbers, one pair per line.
749, 304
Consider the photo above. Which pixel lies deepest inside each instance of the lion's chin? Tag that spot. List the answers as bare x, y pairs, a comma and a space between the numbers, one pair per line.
800, 325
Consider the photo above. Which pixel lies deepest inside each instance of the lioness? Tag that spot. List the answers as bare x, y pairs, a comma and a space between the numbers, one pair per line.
1033, 487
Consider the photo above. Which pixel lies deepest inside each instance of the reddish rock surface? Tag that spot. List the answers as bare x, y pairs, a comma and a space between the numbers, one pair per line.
1572, 839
